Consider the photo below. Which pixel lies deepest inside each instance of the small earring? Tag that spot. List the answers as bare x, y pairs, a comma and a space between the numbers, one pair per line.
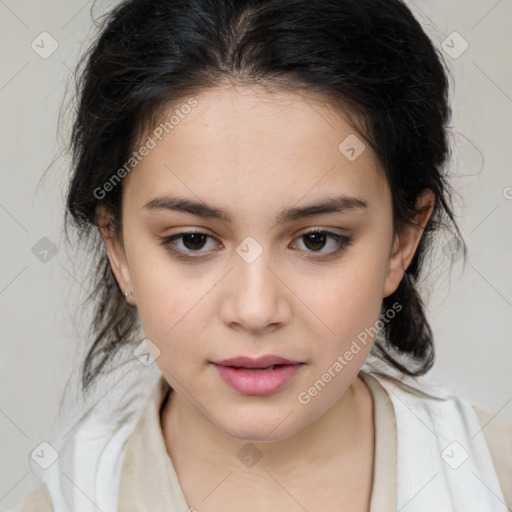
126, 294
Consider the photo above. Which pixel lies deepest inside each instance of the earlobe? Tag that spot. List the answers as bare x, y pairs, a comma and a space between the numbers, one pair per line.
395, 268
402, 253
406, 242
115, 252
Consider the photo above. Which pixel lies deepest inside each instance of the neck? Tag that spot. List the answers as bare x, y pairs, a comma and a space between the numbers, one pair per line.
340, 435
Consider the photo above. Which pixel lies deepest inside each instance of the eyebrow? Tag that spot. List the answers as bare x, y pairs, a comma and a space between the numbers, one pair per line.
338, 204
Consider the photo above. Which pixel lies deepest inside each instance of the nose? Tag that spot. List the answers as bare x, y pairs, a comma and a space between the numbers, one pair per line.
255, 299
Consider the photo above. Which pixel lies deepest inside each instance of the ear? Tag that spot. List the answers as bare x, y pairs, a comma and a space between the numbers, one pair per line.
116, 253
406, 242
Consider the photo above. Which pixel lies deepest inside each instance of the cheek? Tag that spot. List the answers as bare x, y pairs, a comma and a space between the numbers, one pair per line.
171, 317
348, 302
170, 303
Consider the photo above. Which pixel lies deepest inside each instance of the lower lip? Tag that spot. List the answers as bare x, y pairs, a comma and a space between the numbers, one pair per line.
257, 382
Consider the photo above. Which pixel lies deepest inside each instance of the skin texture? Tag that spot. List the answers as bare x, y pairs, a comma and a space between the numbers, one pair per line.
254, 154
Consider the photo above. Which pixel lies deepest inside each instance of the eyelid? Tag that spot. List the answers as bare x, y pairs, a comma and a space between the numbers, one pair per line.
317, 229
186, 231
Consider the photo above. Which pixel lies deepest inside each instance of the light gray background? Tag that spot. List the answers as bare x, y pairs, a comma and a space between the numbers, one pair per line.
470, 312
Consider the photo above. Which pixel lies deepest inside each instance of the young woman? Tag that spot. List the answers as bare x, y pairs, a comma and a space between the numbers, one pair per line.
264, 181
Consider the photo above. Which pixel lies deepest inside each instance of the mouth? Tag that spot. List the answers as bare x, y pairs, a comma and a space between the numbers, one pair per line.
258, 369
261, 376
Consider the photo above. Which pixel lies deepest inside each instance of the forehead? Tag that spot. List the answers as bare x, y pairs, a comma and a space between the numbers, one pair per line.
254, 146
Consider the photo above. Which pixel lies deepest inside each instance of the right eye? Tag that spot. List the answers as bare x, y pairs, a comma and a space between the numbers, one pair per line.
191, 243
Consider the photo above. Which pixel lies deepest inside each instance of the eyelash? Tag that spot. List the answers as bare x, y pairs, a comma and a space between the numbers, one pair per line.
342, 241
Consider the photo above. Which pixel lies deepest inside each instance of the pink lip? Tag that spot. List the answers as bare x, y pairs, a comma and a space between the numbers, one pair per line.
257, 376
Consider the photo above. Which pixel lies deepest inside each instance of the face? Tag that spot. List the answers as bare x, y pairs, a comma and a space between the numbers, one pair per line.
253, 229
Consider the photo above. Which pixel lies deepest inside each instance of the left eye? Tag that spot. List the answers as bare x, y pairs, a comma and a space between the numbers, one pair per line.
314, 241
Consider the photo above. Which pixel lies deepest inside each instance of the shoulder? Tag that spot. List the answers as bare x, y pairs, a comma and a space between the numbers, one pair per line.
432, 402
498, 435
37, 500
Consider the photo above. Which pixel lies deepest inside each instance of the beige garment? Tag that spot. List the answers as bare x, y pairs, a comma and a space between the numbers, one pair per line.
149, 481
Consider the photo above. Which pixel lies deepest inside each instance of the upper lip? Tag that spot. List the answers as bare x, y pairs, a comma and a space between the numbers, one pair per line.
260, 362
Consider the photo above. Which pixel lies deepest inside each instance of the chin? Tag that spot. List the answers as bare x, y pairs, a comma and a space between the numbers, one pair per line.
259, 425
